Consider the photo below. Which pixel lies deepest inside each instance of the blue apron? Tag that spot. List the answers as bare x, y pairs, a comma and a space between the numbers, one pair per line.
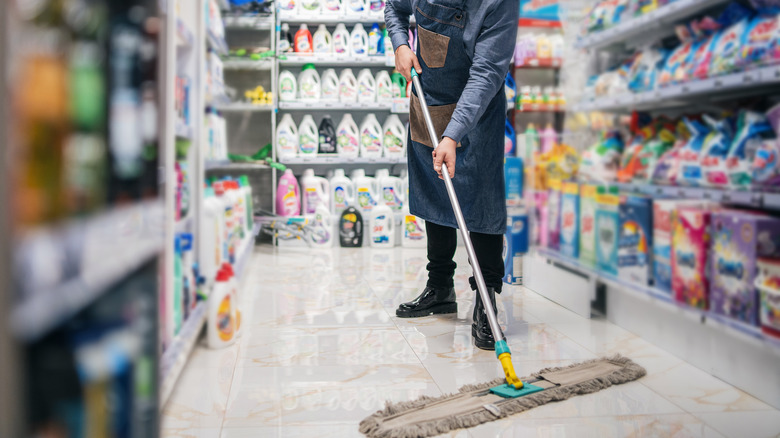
479, 164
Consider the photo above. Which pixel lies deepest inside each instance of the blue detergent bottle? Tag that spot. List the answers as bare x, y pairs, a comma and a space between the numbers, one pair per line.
510, 88
510, 139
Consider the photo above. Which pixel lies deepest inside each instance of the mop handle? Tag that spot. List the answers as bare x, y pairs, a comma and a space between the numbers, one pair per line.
498, 335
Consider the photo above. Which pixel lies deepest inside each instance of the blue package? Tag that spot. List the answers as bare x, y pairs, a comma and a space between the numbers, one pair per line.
513, 181
636, 239
753, 130
607, 232
569, 239
515, 245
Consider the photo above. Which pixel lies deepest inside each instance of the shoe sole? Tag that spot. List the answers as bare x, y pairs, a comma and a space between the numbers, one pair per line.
439, 309
482, 345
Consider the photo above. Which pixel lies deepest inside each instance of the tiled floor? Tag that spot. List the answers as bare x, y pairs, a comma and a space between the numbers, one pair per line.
322, 349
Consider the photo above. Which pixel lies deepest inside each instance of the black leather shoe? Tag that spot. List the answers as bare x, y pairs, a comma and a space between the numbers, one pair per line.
480, 328
430, 302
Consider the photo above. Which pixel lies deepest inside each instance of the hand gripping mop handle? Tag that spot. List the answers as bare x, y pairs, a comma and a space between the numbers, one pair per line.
502, 350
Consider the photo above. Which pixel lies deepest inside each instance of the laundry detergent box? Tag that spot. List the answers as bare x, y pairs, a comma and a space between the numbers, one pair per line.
587, 224
569, 241
607, 230
554, 215
768, 284
515, 245
739, 238
636, 239
663, 227
513, 181
539, 224
690, 244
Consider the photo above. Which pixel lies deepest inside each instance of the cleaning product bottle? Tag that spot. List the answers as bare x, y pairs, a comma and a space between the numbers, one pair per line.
285, 39
388, 43
227, 213
531, 138
394, 137
323, 40
332, 7
232, 283
316, 190
309, 7
376, 46
414, 235
399, 84
390, 189
558, 45
178, 285
549, 138
288, 86
366, 86
246, 189
356, 7
288, 195
510, 141
303, 42
221, 330
510, 88
287, 138
286, 5
309, 84
237, 199
348, 138
309, 137
342, 192
351, 228
323, 228
212, 250
329, 86
341, 40
384, 87
359, 41
381, 227
371, 137
376, 7
348, 89
543, 47
327, 136
367, 190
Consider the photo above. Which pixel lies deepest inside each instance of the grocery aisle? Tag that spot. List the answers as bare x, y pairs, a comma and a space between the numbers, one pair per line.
322, 350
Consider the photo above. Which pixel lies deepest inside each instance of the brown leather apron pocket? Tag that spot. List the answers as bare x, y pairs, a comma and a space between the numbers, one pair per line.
433, 47
441, 116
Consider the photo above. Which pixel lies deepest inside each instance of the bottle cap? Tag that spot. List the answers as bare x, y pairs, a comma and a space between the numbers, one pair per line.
308, 67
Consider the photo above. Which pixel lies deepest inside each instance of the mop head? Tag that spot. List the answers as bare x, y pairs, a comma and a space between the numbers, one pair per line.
476, 404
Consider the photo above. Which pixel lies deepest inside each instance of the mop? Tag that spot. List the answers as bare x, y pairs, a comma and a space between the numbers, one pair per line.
477, 404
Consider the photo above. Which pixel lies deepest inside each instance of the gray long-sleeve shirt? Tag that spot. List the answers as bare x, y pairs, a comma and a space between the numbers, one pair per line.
489, 39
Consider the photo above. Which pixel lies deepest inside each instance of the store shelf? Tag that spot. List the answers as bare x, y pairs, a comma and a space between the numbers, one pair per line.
331, 59
338, 160
93, 253
741, 84
734, 197
244, 107
174, 358
293, 17
217, 44
183, 131
663, 300
248, 64
540, 63
338, 106
249, 23
650, 24
229, 165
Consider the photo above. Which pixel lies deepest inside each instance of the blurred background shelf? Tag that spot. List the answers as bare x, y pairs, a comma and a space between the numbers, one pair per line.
332, 60
255, 23
244, 107
248, 64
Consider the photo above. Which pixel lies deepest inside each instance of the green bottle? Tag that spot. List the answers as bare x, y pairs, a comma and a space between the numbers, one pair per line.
399, 84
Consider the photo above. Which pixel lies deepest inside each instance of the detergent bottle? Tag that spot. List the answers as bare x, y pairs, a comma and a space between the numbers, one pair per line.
376, 46
351, 228
309, 84
232, 283
342, 192
414, 235
394, 137
367, 191
366, 86
322, 40
359, 41
531, 138
302, 42
287, 138
356, 7
371, 137
510, 141
285, 39
212, 250
288, 195
246, 189
341, 40
332, 7
347, 138
329, 86
327, 136
348, 89
222, 323
323, 228
316, 190
287, 5
381, 227
288, 86
376, 7
549, 138
384, 87
510, 88
388, 43
309, 7
390, 189
309, 137
399, 84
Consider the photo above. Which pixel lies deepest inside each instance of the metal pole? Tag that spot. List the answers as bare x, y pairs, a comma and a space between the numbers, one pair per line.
481, 287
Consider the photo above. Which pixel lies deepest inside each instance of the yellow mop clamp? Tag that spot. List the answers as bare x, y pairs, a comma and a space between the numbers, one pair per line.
514, 387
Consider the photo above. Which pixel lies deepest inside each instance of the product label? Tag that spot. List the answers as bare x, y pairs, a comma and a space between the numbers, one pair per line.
312, 200
225, 324
391, 199
290, 202
308, 144
347, 142
365, 200
377, 5
308, 91
383, 92
339, 44
287, 144
302, 45
286, 86
412, 229
332, 6
364, 91
371, 142
348, 92
356, 5
358, 46
393, 144
310, 5
379, 230
373, 44
340, 198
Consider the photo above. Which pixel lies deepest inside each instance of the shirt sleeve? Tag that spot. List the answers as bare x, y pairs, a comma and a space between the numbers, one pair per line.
397, 13
492, 55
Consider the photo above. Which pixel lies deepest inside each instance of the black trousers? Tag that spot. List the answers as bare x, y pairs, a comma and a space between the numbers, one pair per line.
442, 243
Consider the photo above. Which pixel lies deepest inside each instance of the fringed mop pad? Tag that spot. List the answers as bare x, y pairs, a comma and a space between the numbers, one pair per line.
475, 404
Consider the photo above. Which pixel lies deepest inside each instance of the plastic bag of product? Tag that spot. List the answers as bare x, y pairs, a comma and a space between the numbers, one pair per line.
600, 162
674, 70
727, 49
753, 130
766, 165
702, 57
629, 161
714, 150
689, 167
645, 69
652, 152
760, 43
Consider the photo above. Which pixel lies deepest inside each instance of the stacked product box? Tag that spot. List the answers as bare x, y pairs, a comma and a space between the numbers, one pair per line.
768, 284
663, 220
636, 239
554, 215
569, 241
515, 245
587, 224
690, 245
607, 230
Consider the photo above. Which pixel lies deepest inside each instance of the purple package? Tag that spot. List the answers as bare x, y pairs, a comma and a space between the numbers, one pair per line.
739, 238
554, 216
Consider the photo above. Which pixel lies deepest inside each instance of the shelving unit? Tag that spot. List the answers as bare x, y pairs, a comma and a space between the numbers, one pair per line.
337, 160
332, 60
244, 107
336, 106
249, 64
297, 19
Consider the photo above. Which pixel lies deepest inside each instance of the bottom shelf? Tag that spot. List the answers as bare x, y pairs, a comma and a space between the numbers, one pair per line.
175, 357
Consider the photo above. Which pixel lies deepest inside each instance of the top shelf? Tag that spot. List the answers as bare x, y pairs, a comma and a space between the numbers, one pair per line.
250, 23
295, 18
647, 24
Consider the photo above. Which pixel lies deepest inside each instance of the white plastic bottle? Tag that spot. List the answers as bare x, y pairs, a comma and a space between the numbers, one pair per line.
246, 190
324, 229
375, 44
222, 319
330, 86
371, 137
356, 7
288, 86
341, 41
332, 7
384, 87
212, 250
316, 190
309, 84
342, 192
347, 138
366, 86
393, 137
323, 40
391, 189
367, 191
414, 235
308, 137
347, 86
359, 41
309, 7
287, 138
381, 227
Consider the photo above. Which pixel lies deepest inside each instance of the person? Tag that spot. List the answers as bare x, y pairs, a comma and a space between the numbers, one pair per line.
465, 49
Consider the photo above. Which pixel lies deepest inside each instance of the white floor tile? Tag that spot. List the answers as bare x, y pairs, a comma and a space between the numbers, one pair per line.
755, 424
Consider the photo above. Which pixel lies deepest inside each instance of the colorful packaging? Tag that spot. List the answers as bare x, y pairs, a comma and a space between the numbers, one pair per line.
702, 57
690, 241
601, 162
540, 225
690, 154
607, 230
513, 181
635, 241
651, 153
714, 151
768, 283
760, 43
645, 70
766, 164
675, 71
515, 245
727, 49
570, 209
663, 220
738, 239
554, 215
753, 129
587, 224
